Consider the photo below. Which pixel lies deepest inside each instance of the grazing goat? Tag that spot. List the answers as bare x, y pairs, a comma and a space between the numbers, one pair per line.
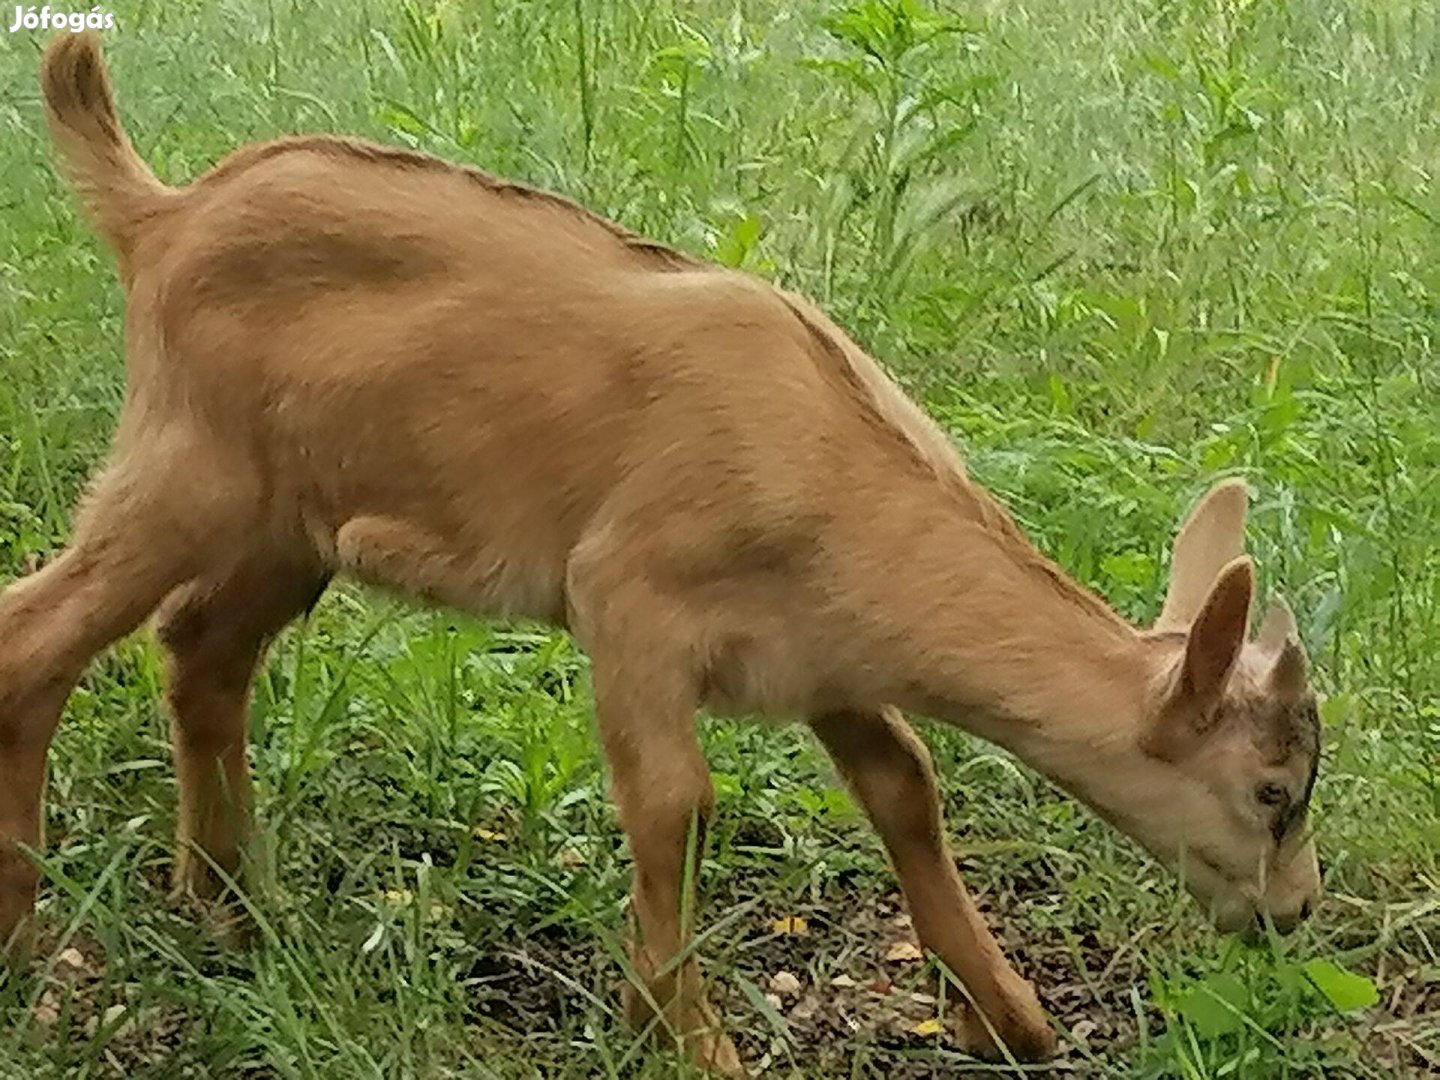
346, 358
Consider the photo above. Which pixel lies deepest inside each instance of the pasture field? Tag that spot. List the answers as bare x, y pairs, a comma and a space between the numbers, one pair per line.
1117, 248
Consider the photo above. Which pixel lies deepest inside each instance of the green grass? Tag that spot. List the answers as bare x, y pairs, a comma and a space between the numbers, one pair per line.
1117, 248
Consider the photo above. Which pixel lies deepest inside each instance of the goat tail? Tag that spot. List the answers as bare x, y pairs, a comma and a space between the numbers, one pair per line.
96, 155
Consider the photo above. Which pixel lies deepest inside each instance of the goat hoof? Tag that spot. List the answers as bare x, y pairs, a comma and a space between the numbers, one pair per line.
1017, 1027
222, 916
230, 924
17, 943
709, 1048
715, 1053
18, 883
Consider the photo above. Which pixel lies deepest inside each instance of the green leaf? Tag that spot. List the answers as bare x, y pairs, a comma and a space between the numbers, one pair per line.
737, 241
1345, 989
1215, 1005
727, 786
888, 29
1059, 396
403, 121
1163, 66
838, 803
1129, 567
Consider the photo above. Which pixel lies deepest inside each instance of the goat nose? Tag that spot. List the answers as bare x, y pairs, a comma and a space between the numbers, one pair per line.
1281, 923
1286, 923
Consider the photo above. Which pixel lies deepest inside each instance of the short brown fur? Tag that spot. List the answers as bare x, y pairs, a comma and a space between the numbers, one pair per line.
346, 358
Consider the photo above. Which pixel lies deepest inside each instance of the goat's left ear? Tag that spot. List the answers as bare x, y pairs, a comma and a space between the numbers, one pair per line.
1279, 638
1217, 635
1277, 627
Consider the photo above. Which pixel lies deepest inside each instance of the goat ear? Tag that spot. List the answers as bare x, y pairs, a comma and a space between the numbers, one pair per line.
1277, 627
1279, 637
1212, 536
1288, 676
1218, 634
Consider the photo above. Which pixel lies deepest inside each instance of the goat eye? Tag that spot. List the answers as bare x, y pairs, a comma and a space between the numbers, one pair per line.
1272, 795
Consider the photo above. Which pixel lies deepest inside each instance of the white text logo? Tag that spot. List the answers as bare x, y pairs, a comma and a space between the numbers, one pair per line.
27, 18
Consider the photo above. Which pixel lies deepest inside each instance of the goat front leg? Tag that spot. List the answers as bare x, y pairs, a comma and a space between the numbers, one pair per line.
215, 631
888, 768
661, 786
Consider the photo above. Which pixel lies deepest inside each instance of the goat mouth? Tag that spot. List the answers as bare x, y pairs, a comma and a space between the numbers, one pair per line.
1285, 924
1232, 907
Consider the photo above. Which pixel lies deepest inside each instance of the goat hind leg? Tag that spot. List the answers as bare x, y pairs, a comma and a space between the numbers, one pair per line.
215, 631
123, 560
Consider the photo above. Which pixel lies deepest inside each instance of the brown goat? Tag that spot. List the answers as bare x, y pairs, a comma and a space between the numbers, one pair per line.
349, 358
